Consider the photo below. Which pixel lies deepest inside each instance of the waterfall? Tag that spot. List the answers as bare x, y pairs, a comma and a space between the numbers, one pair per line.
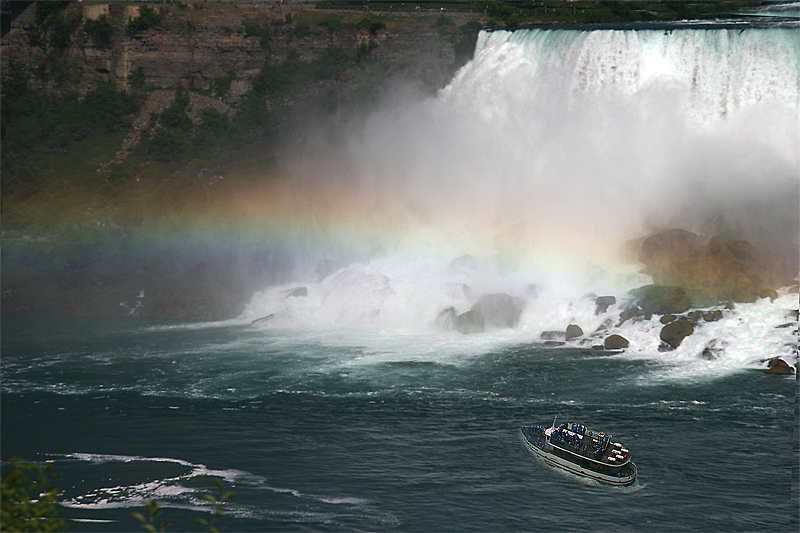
543, 155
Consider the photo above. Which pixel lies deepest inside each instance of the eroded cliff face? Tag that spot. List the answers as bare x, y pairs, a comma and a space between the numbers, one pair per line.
215, 50
198, 43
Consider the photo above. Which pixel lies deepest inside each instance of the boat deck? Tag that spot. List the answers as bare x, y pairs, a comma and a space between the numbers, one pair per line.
589, 444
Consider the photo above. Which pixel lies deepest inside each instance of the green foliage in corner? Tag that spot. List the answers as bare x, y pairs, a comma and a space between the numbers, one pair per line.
29, 504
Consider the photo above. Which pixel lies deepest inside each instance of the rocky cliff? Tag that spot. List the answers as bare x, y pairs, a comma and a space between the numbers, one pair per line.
78, 238
199, 43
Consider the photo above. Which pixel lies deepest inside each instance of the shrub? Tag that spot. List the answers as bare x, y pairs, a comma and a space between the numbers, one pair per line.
214, 128
371, 24
253, 29
167, 144
331, 64
221, 86
148, 18
45, 10
332, 22
175, 116
29, 505
100, 31
301, 29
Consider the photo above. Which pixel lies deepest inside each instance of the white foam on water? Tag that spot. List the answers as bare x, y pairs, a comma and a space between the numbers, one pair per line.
175, 492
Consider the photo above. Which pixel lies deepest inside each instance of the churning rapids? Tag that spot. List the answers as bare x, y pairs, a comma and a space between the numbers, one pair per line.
340, 400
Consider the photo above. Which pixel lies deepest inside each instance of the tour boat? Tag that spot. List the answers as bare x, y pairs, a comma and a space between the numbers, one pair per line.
581, 451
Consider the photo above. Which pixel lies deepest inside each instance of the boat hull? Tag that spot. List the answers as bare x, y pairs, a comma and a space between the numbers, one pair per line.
554, 460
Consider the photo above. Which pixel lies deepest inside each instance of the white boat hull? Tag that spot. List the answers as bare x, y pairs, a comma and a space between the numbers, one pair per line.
577, 469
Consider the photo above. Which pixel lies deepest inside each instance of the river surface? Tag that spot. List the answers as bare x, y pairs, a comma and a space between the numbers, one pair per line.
313, 434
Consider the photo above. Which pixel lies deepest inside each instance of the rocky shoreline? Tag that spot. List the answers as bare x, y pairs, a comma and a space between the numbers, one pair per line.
707, 280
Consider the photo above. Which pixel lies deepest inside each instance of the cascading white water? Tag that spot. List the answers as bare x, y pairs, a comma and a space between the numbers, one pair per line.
598, 135
541, 157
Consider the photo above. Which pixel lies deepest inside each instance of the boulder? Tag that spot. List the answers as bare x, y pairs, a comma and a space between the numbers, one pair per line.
674, 332
662, 299
296, 293
711, 351
603, 303
532, 291
778, 366
695, 316
469, 322
463, 262
663, 250
491, 311
262, 320
631, 312
712, 316
326, 267
725, 269
764, 292
666, 319
605, 326
573, 331
447, 318
499, 310
615, 342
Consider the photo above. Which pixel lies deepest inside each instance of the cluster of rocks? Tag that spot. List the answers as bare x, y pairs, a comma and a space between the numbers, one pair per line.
689, 274
491, 311
723, 269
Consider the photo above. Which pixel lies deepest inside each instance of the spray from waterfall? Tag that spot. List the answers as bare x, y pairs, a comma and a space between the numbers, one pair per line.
540, 159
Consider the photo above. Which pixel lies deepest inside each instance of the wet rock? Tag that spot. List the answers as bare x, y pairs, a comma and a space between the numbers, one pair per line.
666, 319
603, 303
740, 249
464, 262
712, 316
674, 332
458, 290
491, 311
779, 366
553, 335
711, 351
326, 267
262, 320
772, 294
662, 299
605, 326
469, 322
725, 269
296, 293
695, 316
447, 318
615, 342
629, 313
666, 248
499, 310
532, 291
573, 331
